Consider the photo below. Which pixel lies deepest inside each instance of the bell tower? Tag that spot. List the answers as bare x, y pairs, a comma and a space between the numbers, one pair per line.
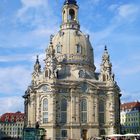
70, 15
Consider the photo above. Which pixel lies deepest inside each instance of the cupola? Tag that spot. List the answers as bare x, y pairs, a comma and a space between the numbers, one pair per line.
70, 15
70, 2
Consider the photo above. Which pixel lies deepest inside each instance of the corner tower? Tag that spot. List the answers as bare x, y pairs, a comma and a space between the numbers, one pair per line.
68, 98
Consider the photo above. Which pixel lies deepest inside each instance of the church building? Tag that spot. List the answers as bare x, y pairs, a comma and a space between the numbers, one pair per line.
68, 98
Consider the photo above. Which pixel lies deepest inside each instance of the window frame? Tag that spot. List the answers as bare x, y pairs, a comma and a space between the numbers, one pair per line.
45, 114
65, 132
58, 48
63, 111
83, 111
78, 49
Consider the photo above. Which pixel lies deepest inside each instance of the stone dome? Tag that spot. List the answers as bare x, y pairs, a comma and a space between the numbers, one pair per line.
72, 46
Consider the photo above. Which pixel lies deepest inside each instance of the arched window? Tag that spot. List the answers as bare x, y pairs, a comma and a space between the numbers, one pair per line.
63, 111
83, 110
63, 13
58, 48
104, 77
79, 48
71, 14
47, 73
45, 110
45, 105
81, 74
101, 111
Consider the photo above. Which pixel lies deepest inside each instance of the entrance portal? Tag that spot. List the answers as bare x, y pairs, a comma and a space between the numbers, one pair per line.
84, 134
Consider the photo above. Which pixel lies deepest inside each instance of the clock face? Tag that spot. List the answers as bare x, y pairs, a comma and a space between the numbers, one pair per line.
45, 88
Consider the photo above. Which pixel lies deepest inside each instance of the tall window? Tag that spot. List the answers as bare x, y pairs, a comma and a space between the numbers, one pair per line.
102, 132
83, 109
79, 48
64, 133
71, 14
45, 110
58, 48
81, 74
47, 73
104, 77
63, 111
101, 111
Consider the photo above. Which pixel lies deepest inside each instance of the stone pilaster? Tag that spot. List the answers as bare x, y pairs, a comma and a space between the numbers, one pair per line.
77, 109
96, 107
91, 110
73, 106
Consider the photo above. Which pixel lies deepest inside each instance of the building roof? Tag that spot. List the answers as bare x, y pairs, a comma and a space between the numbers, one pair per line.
12, 117
70, 2
130, 105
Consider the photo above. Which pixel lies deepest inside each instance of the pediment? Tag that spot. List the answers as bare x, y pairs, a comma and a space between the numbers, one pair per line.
87, 87
92, 85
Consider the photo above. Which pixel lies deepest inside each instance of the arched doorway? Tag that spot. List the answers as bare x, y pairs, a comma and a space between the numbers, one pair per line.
84, 134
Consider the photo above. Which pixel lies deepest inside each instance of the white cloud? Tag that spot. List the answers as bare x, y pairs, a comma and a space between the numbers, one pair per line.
32, 3
35, 14
130, 71
43, 32
100, 36
11, 104
128, 10
94, 1
136, 57
26, 4
16, 58
14, 80
113, 7
38, 16
128, 96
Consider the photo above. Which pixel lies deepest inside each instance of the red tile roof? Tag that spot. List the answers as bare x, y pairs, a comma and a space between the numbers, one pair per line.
130, 105
12, 117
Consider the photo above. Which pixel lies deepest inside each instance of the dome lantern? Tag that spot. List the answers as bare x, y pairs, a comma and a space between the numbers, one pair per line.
70, 15
70, 2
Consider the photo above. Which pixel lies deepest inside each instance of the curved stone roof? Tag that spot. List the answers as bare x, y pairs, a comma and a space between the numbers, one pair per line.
68, 40
70, 2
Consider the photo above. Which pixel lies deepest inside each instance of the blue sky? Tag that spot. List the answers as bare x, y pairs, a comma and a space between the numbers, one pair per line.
25, 27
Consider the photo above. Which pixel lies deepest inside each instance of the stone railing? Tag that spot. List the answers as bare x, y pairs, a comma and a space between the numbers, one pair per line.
71, 58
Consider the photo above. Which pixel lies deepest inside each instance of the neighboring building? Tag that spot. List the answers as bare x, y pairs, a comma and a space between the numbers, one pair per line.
68, 98
11, 125
130, 117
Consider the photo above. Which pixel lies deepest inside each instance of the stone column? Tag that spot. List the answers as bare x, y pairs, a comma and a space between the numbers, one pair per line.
69, 116
52, 114
91, 109
111, 110
73, 105
29, 114
68, 110
38, 109
77, 109
26, 111
107, 109
32, 111
96, 103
